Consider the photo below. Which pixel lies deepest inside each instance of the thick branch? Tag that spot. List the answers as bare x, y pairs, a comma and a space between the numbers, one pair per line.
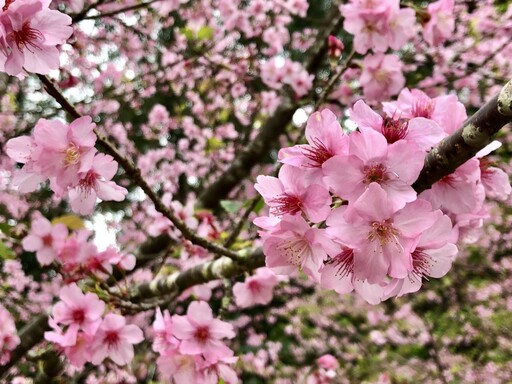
464, 143
178, 282
274, 127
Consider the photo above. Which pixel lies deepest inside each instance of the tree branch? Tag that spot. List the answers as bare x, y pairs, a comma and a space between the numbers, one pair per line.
464, 143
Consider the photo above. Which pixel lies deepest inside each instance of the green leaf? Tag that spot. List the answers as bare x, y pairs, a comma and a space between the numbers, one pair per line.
231, 206
5, 228
73, 222
205, 33
6, 253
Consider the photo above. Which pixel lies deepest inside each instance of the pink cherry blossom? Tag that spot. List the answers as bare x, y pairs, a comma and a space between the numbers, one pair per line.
200, 333
32, 33
382, 76
162, 327
371, 160
77, 308
45, 239
95, 183
431, 257
441, 24
325, 140
76, 345
380, 236
256, 289
424, 132
446, 110
64, 151
294, 245
8, 336
114, 339
291, 193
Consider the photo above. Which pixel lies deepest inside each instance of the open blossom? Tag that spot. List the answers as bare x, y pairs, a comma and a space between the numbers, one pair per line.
200, 333
382, 76
371, 160
381, 236
295, 245
495, 181
325, 140
291, 193
115, 339
446, 110
432, 256
8, 336
77, 308
45, 239
422, 131
256, 289
31, 33
95, 183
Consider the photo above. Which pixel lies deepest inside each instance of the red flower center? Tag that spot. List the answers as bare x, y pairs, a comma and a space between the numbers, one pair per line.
394, 129
286, 204
318, 153
111, 338
202, 334
27, 37
78, 316
374, 173
344, 261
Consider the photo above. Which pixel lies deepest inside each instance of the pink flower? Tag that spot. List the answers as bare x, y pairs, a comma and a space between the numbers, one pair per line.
382, 76
257, 289
75, 344
431, 257
328, 361
45, 239
291, 193
8, 336
95, 183
200, 333
295, 244
459, 192
32, 33
446, 110
381, 236
115, 339
422, 131
64, 151
325, 140
495, 181
336, 47
163, 338
441, 24
371, 160
77, 308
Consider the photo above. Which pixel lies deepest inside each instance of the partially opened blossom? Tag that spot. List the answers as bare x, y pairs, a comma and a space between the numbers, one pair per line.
495, 181
422, 131
380, 236
291, 193
77, 308
382, 76
256, 289
371, 160
45, 239
8, 336
295, 245
94, 183
115, 339
201, 334
32, 33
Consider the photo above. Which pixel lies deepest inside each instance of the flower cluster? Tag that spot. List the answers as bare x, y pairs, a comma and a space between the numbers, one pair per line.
87, 336
76, 254
190, 346
29, 35
65, 154
8, 337
343, 209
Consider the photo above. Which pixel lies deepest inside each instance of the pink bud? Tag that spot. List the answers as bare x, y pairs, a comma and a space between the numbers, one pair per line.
336, 47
